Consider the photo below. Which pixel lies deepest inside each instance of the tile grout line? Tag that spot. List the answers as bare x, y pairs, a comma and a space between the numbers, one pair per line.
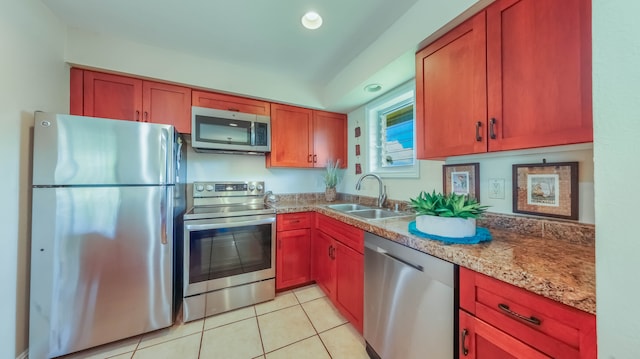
315, 329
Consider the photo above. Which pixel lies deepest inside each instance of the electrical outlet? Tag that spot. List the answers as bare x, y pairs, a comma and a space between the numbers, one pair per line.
496, 188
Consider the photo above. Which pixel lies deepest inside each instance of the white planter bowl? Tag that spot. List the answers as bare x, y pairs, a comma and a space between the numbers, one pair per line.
446, 226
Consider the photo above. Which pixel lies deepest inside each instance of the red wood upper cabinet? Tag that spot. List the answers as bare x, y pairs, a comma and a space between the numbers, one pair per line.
167, 104
291, 142
451, 108
539, 73
329, 138
112, 96
301, 137
516, 75
98, 94
230, 103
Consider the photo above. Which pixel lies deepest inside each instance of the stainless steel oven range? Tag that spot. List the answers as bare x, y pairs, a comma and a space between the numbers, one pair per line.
229, 251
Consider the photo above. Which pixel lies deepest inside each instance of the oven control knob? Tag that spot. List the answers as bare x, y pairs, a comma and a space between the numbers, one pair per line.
209, 188
199, 188
252, 187
259, 187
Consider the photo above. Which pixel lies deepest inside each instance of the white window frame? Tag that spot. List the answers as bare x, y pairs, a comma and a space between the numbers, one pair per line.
395, 98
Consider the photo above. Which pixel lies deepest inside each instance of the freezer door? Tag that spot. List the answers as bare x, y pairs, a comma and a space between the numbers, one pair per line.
101, 266
75, 150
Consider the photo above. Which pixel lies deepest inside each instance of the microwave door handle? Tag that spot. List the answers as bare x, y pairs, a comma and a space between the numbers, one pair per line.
253, 134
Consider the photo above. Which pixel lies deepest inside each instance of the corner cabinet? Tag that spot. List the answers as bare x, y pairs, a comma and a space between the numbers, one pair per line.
516, 75
498, 320
98, 94
304, 138
293, 249
338, 266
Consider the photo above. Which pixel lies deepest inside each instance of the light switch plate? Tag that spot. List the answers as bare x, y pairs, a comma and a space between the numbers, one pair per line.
496, 188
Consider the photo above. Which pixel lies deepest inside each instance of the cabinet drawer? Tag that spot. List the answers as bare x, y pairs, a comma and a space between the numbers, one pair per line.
350, 236
553, 328
289, 221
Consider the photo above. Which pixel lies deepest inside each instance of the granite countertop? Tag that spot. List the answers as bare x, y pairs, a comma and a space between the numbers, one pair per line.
556, 269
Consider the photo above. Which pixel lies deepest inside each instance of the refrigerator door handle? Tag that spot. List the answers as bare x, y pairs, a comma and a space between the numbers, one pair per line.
164, 144
163, 217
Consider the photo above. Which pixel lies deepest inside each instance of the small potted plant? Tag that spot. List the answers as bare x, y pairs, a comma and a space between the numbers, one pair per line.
452, 215
331, 180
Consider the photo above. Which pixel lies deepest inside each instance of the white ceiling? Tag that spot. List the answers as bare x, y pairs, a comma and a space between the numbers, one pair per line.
258, 34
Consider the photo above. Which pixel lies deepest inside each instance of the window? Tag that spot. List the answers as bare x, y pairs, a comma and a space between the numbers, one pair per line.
391, 125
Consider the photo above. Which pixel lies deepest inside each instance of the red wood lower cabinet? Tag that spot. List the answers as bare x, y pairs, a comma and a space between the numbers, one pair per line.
338, 266
479, 340
324, 269
350, 284
292, 258
293, 249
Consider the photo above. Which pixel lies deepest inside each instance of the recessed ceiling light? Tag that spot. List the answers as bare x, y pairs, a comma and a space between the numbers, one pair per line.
312, 20
373, 87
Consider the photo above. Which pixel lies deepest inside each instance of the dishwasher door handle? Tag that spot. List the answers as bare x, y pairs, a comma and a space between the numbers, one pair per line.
414, 266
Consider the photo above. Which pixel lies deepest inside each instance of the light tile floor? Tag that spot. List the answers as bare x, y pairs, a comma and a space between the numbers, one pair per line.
300, 324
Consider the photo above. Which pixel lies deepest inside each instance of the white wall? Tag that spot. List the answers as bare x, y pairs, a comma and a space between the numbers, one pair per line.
224, 167
109, 53
616, 110
34, 77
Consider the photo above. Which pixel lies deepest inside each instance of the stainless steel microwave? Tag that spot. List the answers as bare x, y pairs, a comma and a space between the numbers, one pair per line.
229, 131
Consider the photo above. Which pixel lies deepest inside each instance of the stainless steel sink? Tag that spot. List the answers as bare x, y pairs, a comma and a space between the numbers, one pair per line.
378, 213
346, 207
366, 212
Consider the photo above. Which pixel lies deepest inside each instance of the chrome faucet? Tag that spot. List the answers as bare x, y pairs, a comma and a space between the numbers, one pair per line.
382, 189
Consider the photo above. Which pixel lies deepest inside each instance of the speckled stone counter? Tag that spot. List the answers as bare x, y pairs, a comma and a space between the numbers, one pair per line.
554, 259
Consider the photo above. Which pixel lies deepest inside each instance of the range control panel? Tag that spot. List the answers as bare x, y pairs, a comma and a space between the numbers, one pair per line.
228, 189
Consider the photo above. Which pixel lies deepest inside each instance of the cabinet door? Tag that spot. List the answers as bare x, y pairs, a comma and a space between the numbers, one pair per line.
324, 264
539, 73
167, 104
112, 96
292, 258
230, 103
329, 138
350, 284
451, 93
480, 340
291, 145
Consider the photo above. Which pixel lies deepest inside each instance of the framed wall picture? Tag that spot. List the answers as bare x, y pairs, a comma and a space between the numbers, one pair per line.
546, 189
462, 179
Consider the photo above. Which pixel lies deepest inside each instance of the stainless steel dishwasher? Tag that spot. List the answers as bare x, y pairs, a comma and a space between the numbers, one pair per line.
408, 302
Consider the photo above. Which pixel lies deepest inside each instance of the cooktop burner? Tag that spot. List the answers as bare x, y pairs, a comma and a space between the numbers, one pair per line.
228, 199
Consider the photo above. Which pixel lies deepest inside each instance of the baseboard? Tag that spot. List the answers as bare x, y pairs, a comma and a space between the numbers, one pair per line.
23, 355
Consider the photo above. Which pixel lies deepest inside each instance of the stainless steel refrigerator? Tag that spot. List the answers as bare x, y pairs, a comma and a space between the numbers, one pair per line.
108, 198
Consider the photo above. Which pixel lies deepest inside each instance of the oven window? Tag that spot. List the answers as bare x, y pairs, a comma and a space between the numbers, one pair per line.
219, 253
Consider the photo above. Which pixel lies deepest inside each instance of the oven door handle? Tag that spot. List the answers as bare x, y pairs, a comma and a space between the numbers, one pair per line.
229, 223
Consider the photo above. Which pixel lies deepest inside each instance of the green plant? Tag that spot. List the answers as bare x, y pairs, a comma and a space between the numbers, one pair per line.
331, 177
451, 205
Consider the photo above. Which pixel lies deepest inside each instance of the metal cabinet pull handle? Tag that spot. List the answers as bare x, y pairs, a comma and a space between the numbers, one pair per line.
478, 136
315, 158
137, 116
146, 116
310, 158
492, 128
465, 350
530, 320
